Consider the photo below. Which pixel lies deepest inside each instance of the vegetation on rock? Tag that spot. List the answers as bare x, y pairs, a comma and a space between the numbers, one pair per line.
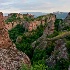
38, 56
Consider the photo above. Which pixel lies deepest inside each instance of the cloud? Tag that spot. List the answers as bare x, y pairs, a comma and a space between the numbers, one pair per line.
7, 3
34, 5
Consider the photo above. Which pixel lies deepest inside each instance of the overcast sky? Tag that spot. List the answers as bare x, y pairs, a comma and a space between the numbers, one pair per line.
7, 6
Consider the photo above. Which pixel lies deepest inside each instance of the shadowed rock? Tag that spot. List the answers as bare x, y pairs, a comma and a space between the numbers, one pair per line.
60, 51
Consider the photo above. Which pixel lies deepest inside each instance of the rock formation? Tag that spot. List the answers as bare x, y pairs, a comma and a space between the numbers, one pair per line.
10, 57
42, 43
47, 19
20, 19
67, 19
4, 36
60, 51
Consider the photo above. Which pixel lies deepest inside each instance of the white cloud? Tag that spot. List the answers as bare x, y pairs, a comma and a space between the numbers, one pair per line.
7, 3
34, 5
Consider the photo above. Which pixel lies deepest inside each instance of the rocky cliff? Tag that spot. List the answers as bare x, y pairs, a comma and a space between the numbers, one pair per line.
67, 19
10, 57
4, 36
42, 43
60, 51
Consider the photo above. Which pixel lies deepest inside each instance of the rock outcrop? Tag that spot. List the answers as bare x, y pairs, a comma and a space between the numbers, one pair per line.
18, 19
4, 36
10, 57
67, 20
45, 20
41, 42
60, 51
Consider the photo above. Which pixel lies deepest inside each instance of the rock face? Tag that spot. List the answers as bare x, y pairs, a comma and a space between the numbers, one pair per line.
9, 25
4, 36
50, 24
10, 57
47, 19
67, 19
49, 29
42, 43
60, 51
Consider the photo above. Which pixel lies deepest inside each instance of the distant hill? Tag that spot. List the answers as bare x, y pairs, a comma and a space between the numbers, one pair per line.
60, 15
36, 14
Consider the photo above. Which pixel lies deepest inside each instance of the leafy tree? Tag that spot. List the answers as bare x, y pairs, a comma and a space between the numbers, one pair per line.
15, 32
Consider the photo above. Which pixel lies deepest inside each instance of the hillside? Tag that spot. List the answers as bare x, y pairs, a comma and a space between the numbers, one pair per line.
44, 42
36, 14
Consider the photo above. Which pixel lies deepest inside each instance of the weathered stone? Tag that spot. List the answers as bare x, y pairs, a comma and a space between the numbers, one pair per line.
42, 45
12, 24
67, 19
4, 36
48, 30
60, 51
40, 41
10, 57
47, 19
19, 39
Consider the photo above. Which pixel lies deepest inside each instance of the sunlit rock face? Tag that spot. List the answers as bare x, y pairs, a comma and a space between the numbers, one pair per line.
10, 57
4, 36
1, 21
46, 19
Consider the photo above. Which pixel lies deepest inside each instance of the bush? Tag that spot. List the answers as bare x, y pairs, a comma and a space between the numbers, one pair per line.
15, 32
36, 66
62, 64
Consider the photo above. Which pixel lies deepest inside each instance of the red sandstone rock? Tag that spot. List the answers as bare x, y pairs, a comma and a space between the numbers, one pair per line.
45, 20
2, 25
10, 57
2, 68
4, 36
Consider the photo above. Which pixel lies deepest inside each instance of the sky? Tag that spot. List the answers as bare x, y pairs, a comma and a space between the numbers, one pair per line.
46, 6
